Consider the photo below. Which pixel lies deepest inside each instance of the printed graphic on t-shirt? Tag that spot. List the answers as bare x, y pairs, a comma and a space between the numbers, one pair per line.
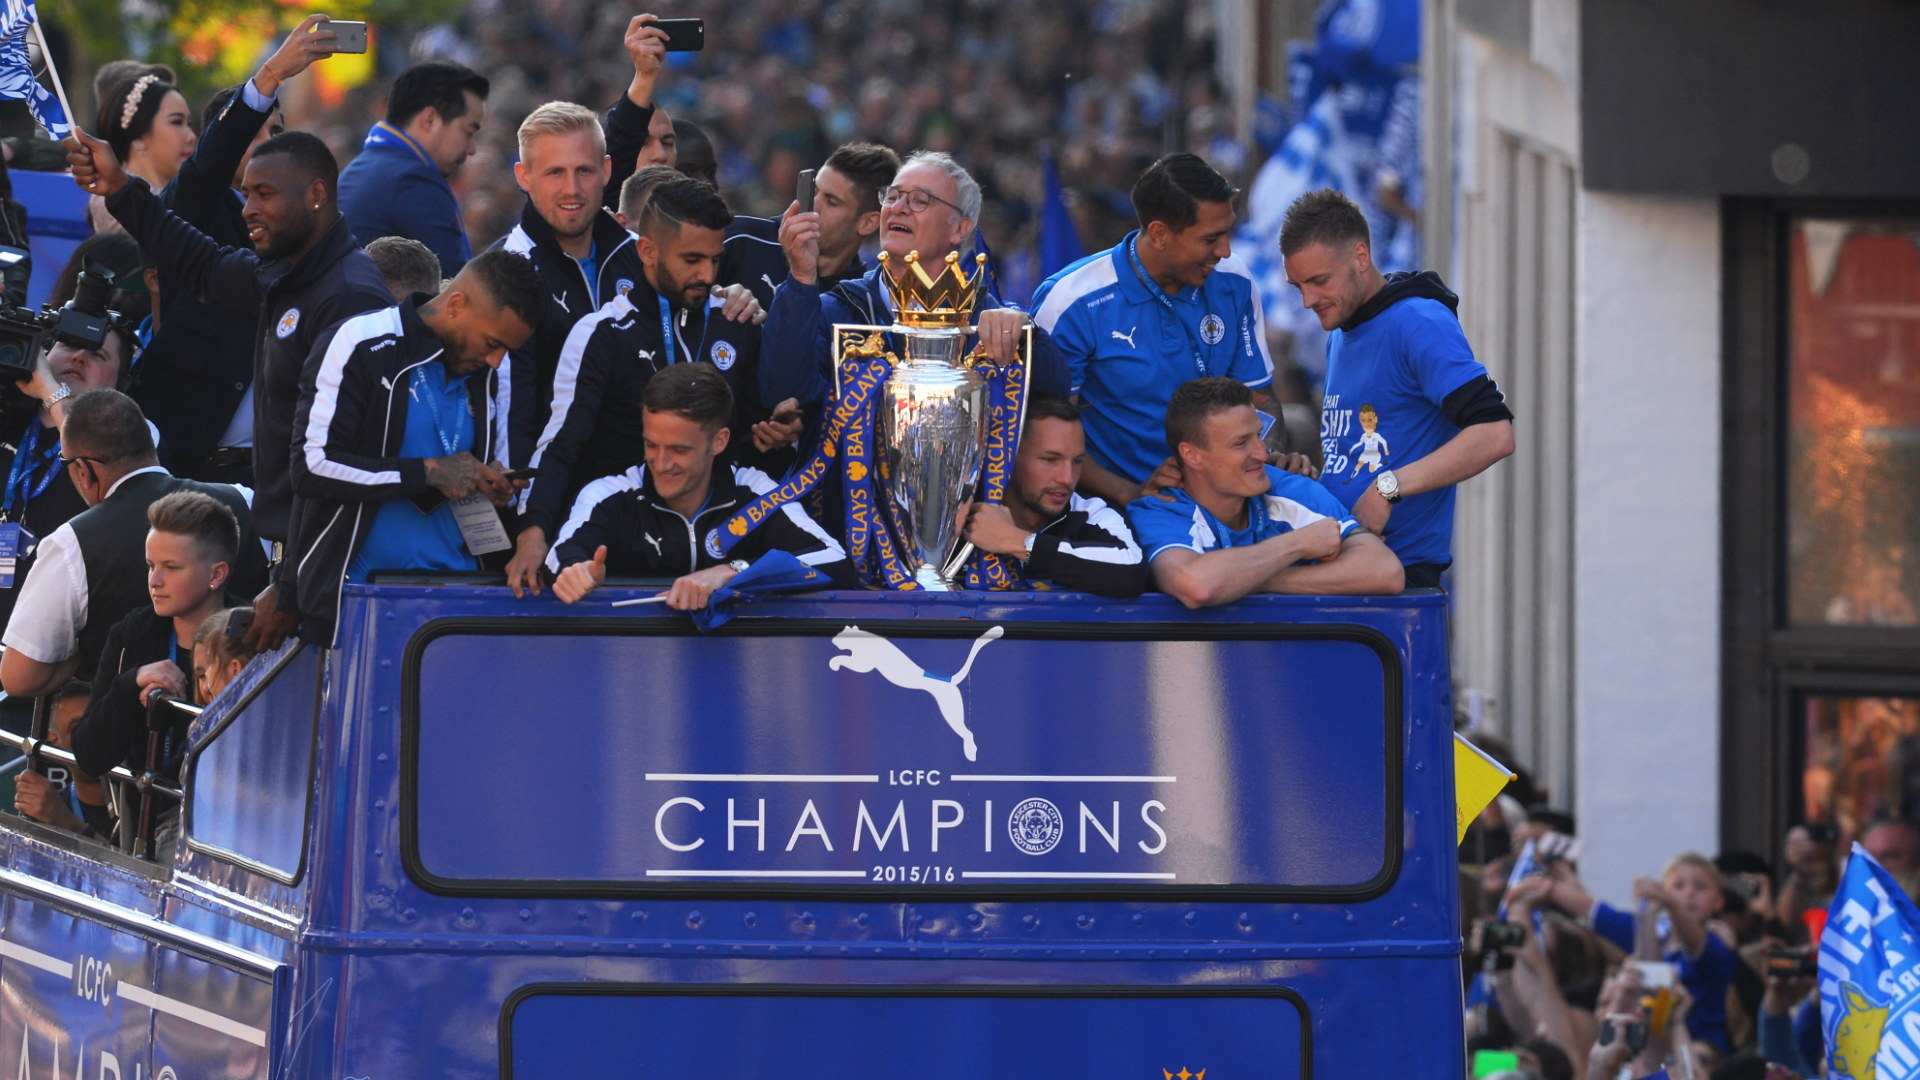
1371, 451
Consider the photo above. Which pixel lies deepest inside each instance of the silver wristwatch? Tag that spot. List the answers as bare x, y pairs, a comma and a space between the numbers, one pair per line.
60, 393
1028, 544
1388, 485
738, 566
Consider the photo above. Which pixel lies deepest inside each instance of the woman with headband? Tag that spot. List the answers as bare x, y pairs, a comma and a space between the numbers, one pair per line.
145, 120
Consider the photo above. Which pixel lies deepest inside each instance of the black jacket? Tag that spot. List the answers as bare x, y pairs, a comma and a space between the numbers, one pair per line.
196, 370
347, 434
293, 303
528, 372
594, 427
113, 730
645, 538
1090, 548
754, 257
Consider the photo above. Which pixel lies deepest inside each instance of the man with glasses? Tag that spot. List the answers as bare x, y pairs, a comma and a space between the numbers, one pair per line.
931, 208
91, 571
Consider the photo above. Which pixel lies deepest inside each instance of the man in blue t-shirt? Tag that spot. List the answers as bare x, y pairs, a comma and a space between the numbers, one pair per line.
1167, 304
1409, 412
1236, 525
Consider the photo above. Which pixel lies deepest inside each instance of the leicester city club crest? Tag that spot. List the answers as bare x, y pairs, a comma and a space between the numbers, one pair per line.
713, 543
623, 286
1035, 826
724, 354
288, 323
1212, 329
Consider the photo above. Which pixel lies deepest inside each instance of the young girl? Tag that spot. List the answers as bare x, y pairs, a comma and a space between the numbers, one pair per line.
218, 657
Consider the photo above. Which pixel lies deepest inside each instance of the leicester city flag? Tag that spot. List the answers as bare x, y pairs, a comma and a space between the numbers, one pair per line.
1870, 977
16, 68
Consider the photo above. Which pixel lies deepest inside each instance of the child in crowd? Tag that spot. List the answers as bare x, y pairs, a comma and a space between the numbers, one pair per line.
52, 798
1684, 903
218, 656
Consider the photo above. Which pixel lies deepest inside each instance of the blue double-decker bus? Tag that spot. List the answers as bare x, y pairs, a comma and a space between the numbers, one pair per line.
893, 835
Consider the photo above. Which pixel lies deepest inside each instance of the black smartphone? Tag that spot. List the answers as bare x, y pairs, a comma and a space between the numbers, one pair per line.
353, 35
803, 194
684, 35
1825, 833
239, 623
511, 475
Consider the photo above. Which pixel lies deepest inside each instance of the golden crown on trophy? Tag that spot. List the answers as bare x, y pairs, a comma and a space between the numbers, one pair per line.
934, 303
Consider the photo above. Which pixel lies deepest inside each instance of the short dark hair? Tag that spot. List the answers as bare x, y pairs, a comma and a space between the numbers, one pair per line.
1195, 401
310, 156
440, 85
693, 153
869, 167
107, 426
1049, 407
203, 518
638, 188
512, 281
696, 391
1172, 189
682, 200
1322, 217
406, 262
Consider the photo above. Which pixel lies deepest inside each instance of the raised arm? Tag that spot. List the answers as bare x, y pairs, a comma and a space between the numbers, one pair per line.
628, 120
796, 351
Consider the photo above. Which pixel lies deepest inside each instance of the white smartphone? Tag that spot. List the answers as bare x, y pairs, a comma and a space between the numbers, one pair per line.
1655, 974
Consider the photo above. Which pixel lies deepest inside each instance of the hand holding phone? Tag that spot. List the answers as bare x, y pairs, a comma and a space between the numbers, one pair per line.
803, 193
352, 35
684, 35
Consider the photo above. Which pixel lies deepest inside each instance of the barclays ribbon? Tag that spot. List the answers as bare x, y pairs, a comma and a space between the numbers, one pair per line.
1006, 407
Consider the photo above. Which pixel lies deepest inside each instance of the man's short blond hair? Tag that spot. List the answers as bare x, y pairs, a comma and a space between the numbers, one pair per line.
559, 118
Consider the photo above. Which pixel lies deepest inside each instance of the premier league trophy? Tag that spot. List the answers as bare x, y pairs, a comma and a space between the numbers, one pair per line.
936, 412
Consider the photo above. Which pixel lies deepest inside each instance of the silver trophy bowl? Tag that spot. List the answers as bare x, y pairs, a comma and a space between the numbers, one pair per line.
932, 434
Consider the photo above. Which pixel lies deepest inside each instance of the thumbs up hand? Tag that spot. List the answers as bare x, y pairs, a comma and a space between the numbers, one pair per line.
581, 578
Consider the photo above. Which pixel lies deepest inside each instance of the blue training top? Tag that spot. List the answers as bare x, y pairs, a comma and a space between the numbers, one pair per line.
1706, 976
438, 417
1292, 502
1386, 380
1129, 344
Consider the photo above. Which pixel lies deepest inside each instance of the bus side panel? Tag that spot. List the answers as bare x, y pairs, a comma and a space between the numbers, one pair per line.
64, 1005
1395, 1017
210, 1021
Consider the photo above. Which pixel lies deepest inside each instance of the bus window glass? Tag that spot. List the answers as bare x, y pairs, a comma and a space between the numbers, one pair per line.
249, 787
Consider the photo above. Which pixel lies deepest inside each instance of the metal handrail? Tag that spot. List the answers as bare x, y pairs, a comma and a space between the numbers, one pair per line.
30, 746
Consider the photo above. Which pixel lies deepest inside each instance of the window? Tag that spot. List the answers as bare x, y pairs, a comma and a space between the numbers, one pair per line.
249, 781
1862, 760
1853, 422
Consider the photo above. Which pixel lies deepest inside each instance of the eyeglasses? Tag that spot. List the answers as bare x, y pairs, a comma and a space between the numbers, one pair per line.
65, 460
918, 199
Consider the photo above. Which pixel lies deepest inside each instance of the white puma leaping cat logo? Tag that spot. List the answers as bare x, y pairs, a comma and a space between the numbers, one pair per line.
871, 652
655, 543
1128, 336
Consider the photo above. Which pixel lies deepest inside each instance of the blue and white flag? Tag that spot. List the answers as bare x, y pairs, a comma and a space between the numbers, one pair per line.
16, 68
1870, 976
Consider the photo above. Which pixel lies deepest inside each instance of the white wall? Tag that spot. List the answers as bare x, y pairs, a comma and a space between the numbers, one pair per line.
1647, 533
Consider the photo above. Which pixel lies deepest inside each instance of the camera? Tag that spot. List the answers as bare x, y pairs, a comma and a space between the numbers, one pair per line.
1502, 935
84, 323
1788, 963
1635, 1035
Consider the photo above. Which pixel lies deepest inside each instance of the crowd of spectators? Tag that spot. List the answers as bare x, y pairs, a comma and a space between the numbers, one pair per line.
1706, 970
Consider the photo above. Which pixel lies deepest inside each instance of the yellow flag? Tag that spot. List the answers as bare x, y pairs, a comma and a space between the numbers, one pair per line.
1477, 779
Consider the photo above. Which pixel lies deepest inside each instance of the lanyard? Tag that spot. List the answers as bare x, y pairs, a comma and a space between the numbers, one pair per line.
425, 394
1160, 295
1256, 521
676, 349
20, 478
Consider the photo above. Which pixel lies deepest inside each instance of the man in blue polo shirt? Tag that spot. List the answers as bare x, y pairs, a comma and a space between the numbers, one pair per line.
1409, 412
1167, 304
398, 186
1235, 525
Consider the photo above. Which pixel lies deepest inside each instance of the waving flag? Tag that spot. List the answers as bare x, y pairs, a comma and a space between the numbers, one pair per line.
17, 83
1059, 240
1870, 976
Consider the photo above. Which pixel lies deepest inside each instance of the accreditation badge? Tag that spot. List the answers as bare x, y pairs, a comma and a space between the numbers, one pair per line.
16, 542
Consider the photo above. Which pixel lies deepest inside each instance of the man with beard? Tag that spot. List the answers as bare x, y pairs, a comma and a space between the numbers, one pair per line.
304, 275
595, 427
1060, 538
392, 425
